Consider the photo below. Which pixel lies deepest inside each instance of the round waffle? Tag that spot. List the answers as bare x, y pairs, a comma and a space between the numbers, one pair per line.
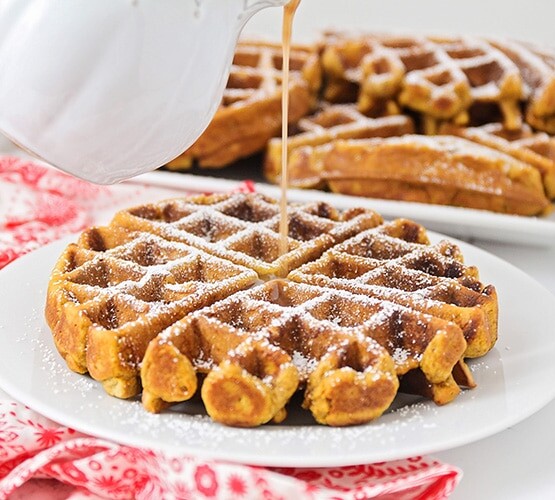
185, 294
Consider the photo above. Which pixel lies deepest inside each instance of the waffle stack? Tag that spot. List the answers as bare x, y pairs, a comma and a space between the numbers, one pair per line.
443, 79
185, 291
536, 149
250, 112
446, 84
342, 150
443, 170
496, 97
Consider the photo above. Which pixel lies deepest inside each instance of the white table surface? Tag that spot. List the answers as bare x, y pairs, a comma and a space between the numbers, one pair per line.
518, 463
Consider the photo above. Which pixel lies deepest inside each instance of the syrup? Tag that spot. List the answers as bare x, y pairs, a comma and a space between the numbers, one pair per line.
278, 293
288, 14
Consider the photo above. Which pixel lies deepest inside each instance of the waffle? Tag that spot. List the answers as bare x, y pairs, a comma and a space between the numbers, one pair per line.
114, 290
244, 229
184, 291
330, 123
280, 331
331, 342
534, 148
442, 170
395, 263
386, 263
537, 67
442, 78
250, 112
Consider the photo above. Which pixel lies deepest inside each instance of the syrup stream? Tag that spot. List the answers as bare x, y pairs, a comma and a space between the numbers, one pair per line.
288, 14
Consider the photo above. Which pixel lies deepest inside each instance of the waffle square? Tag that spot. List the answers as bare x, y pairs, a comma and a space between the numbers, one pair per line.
114, 290
245, 228
395, 262
344, 349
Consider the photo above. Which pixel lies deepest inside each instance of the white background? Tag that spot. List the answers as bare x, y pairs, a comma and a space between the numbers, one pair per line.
532, 20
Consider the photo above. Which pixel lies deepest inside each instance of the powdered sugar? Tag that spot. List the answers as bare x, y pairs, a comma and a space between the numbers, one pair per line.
304, 364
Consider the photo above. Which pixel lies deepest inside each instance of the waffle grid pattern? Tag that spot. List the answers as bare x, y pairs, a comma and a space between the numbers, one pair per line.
179, 294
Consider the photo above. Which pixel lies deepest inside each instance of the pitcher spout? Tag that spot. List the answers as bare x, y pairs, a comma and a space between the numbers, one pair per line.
253, 6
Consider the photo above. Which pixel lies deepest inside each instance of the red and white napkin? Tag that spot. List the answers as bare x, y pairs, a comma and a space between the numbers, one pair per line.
32, 446
39, 205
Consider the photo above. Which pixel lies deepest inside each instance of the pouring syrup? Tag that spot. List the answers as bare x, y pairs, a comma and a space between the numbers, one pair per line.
288, 13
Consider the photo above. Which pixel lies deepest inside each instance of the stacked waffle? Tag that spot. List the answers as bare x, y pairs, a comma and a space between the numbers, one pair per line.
184, 293
443, 79
383, 86
395, 164
250, 112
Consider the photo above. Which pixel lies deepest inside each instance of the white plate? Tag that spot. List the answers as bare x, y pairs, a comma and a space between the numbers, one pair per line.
514, 380
461, 222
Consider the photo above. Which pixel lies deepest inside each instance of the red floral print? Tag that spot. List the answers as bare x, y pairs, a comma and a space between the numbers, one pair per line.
206, 481
307, 475
7, 436
48, 437
236, 485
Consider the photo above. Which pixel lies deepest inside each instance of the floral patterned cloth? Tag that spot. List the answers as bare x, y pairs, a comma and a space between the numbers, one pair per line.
32, 446
39, 205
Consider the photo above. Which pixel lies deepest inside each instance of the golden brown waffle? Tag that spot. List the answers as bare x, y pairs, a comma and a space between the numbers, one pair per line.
442, 170
250, 112
332, 342
442, 78
388, 283
114, 290
331, 122
534, 148
367, 303
394, 262
257, 347
537, 67
245, 228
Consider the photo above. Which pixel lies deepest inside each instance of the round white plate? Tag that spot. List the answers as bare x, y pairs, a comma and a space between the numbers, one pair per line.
514, 381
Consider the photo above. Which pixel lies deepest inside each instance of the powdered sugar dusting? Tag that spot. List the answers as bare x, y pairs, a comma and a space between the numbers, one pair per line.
304, 364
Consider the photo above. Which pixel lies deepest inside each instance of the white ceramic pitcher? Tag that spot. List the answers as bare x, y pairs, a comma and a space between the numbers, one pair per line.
109, 89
